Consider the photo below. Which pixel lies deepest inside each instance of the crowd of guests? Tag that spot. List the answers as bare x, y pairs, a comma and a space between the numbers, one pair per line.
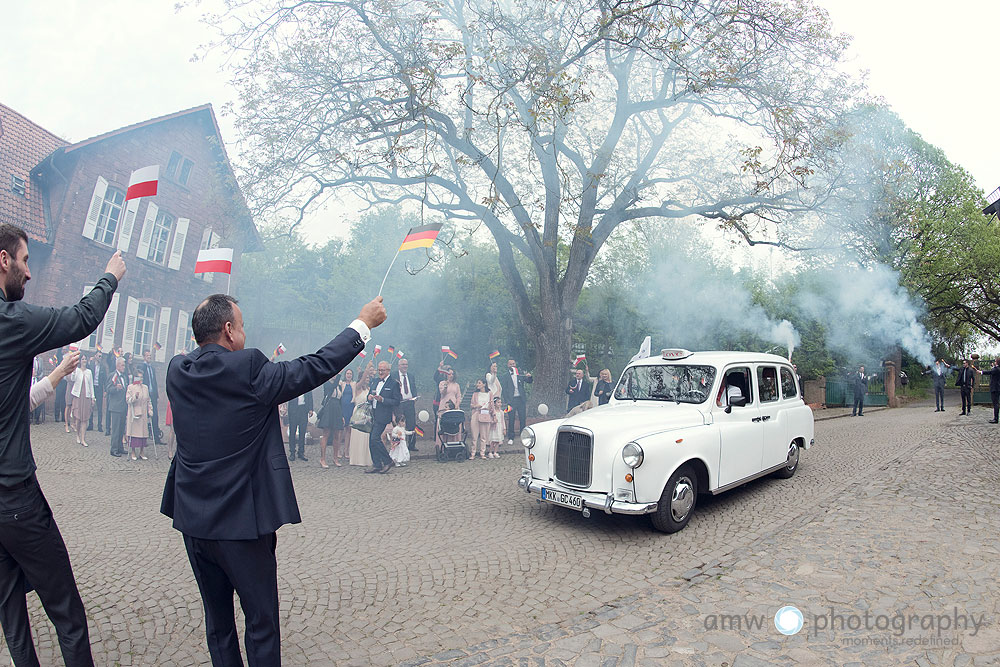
116, 394
496, 405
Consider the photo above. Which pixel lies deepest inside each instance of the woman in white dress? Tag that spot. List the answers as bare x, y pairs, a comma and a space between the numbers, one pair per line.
81, 395
492, 383
479, 419
358, 453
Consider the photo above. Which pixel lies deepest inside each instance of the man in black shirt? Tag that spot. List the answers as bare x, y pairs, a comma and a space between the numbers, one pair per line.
32, 552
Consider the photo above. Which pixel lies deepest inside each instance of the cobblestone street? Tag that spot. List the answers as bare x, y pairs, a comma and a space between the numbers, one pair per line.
895, 513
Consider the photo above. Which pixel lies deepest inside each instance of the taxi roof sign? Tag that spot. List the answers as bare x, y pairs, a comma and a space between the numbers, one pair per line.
675, 353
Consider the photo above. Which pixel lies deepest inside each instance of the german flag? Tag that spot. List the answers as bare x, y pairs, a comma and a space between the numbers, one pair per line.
494, 354
391, 350
419, 431
421, 237
451, 353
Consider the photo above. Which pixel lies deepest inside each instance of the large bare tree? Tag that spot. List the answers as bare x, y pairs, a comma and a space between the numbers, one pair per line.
546, 123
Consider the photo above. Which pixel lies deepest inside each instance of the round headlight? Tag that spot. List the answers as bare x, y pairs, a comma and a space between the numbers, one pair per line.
632, 455
528, 438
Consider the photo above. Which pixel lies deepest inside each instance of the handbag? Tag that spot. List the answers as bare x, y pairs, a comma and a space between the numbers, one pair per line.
361, 419
484, 417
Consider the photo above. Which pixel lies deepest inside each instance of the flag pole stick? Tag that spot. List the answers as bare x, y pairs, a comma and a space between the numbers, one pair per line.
387, 271
229, 280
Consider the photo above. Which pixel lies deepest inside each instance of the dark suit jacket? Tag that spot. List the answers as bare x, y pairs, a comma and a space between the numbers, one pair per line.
116, 387
301, 412
149, 379
966, 377
410, 380
576, 397
859, 383
382, 414
230, 477
507, 385
994, 374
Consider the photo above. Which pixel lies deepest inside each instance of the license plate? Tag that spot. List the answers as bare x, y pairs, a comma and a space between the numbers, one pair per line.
562, 498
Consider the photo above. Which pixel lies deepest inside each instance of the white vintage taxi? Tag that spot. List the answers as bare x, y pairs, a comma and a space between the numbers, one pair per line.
678, 425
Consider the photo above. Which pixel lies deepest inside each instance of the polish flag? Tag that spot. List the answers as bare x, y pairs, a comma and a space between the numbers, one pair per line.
142, 182
214, 260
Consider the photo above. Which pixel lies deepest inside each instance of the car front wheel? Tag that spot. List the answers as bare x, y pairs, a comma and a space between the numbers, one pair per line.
677, 502
791, 463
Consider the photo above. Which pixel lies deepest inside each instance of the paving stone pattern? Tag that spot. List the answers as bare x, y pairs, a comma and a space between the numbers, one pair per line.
451, 562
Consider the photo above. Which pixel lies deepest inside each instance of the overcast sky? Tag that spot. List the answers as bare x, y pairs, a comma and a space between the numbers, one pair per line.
83, 67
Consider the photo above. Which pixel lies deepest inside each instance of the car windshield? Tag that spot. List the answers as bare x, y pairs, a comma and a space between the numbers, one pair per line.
667, 382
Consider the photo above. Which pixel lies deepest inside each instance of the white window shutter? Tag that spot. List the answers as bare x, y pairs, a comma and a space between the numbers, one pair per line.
206, 240
125, 236
147, 231
181, 340
131, 315
107, 339
96, 201
180, 236
162, 331
84, 344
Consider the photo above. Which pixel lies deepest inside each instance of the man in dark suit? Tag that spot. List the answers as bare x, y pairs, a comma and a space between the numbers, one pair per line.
32, 551
994, 374
578, 390
407, 400
939, 374
299, 409
965, 381
384, 397
859, 381
117, 384
514, 396
229, 487
149, 379
100, 373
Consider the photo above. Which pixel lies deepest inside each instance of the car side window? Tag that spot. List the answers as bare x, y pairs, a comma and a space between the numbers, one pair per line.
767, 380
789, 389
736, 383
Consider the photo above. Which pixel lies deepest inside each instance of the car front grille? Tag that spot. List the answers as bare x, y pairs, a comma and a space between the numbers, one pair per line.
574, 452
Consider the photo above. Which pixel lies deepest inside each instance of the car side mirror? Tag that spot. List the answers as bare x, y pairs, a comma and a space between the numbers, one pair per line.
738, 402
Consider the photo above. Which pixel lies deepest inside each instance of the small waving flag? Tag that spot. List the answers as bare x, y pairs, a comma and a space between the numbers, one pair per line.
280, 349
399, 354
507, 409
421, 237
378, 348
391, 350
156, 345
98, 347
362, 354
451, 353
117, 351
494, 354
74, 348
579, 358
445, 349
214, 260
419, 431
142, 182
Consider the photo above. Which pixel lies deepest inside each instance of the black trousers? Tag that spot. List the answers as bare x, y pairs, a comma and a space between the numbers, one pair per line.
380, 456
966, 399
859, 405
995, 397
117, 432
939, 397
518, 408
297, 423
408, 411
32, 554
98, 409
249, 568
60, 406
154, 399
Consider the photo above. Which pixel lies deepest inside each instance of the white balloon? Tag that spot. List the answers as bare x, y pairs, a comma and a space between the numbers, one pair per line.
423, 416
543, 409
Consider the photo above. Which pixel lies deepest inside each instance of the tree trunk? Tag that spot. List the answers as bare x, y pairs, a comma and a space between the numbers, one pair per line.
552, 361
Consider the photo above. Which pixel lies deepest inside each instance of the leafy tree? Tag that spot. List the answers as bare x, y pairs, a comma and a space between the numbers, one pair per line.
549, 124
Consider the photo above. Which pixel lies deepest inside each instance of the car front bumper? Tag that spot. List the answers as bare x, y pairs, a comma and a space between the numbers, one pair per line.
600, 501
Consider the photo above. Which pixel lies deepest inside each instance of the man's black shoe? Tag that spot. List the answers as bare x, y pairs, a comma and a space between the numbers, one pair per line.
302, 457
386, 469
291, 457
992, 421
373, 471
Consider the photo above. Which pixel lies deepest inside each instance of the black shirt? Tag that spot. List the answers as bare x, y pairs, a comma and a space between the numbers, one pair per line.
27, 330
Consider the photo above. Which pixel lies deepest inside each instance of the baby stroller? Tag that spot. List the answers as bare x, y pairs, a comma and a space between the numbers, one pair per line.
451, 436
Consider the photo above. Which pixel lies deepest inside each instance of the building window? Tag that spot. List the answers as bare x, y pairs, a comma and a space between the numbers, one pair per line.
110, 217
145, 319
159, 241
18, 186
179, 168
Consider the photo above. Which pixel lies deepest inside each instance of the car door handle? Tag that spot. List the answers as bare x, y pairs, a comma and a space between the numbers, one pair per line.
756, 419
766, 417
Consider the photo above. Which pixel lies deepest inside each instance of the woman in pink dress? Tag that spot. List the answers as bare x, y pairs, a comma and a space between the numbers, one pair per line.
479, 419
137, 417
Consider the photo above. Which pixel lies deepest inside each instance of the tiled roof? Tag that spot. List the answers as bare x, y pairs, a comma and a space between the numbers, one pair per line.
22, 146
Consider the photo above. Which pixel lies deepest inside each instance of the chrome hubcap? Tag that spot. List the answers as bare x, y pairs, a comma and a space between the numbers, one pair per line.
682, 498
793, 456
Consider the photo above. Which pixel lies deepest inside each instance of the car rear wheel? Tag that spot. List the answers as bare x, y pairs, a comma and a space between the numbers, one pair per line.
677, 502
791, 463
